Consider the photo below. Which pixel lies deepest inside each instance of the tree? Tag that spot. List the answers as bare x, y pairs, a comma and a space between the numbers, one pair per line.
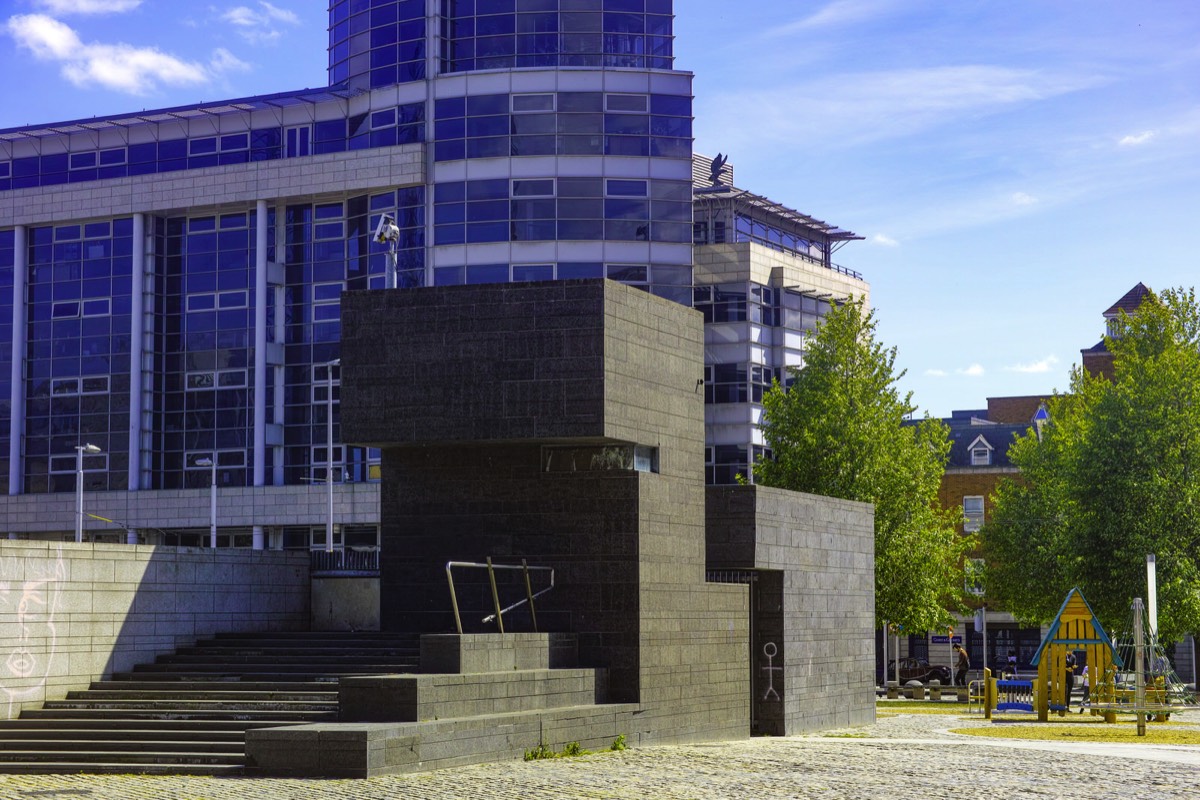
1112, 477
840, 430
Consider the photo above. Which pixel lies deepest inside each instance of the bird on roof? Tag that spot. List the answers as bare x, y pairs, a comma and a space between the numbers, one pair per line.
718, 164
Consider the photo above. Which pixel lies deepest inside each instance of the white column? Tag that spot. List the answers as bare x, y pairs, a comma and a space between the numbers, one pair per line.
20, 328
260, 345
260, 538
280, 337
433, 67
137, 348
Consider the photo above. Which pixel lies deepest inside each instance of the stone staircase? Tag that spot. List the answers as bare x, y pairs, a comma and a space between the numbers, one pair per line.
188, 712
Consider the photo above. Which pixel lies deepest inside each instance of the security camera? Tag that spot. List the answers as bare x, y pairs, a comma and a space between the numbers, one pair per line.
386, 231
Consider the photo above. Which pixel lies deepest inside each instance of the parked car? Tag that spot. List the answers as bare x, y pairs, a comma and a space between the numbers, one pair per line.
918, 669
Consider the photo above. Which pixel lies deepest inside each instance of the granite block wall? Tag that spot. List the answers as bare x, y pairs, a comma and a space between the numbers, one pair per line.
465, 389
822, 550
73, 613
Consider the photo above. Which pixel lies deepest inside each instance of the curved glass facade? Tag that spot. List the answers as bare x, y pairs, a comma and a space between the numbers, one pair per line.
484, 34
375, 43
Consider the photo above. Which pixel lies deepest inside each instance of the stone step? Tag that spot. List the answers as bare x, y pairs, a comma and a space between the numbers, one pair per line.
216, 686
291, 651
310, 659
244, 715
192, 704
112, 757
68, 767
73, 732
273, 667
227, 677
356, 636
67, 744
158, 694
164, 728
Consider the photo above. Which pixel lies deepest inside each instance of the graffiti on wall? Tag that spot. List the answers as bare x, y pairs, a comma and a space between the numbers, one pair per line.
770, 650
29, 603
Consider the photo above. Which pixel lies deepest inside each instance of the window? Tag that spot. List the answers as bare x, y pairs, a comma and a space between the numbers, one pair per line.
224, 379
981, 452
321, 466
532, 103
533, 188
627, 103
973, 511
619, 188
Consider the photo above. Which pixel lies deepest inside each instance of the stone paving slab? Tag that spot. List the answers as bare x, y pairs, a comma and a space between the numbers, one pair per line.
907, 756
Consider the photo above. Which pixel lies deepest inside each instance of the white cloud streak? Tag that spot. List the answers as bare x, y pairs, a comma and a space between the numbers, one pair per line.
66, 7
1134, 140
121, 67
259, 25
1042, 367
839, 12
973, 371
884, 240
856, 108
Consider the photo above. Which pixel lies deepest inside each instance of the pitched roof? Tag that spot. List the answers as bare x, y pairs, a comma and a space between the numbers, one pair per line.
1075, 606
998, 437
1130, 302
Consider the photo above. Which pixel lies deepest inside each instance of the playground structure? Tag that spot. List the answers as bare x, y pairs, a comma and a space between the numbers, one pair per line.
1133, 678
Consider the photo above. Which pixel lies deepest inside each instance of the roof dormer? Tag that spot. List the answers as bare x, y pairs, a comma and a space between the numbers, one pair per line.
981, 452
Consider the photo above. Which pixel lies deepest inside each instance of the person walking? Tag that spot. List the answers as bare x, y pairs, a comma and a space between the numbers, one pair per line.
1069, 677
1087, 697
961, 666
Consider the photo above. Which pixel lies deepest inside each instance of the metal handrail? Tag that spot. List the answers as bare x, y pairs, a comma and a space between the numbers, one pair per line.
530, 596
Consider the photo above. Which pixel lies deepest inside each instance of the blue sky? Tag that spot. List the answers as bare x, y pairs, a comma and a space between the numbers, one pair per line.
1015, 167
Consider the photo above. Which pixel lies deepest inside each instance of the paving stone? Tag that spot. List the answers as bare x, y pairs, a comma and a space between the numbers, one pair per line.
907, 756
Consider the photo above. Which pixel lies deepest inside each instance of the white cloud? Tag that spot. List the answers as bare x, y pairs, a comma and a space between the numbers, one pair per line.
88, 6
135, 70
1133, 140
839, 12
1036, 368
851, 109
1023, 199
936, 373
258, 25
225, 61
973, 371
885, 240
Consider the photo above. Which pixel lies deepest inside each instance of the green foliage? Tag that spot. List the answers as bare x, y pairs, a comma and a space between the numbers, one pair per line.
540, 752
1114, 476
570, 750
839, 431
619, 744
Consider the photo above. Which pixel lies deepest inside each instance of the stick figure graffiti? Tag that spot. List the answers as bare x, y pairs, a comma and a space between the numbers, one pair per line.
770, 651
29, 595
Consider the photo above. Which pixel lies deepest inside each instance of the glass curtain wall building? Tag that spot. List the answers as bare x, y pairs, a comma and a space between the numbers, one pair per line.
173, 277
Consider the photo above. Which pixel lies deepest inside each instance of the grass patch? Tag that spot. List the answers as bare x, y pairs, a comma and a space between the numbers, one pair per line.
1088, 731
917, 707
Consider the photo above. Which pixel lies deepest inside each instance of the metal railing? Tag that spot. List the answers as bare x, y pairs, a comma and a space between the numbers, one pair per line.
491, 568
343, 562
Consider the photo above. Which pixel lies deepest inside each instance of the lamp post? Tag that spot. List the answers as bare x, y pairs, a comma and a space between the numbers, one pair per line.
80, 449
337, 362
212, 498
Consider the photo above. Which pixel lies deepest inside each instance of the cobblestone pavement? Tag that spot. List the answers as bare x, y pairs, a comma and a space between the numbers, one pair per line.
907, 756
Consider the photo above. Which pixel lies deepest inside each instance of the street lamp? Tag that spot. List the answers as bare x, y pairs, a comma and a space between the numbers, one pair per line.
212, 498
80, 449
337, 362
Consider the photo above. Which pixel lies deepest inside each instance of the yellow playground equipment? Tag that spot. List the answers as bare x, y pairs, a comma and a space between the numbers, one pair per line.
1074, 629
